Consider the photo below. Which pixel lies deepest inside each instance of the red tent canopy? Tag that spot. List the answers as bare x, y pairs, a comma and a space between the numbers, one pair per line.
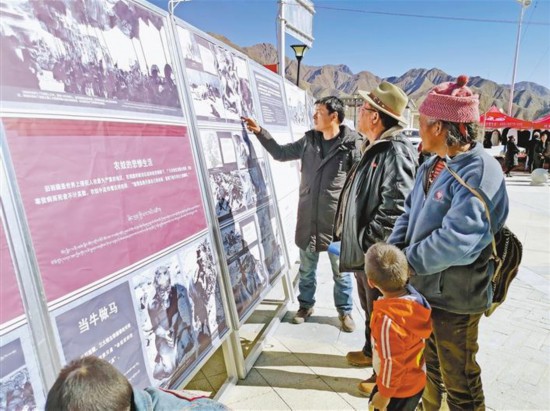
494, 118
543, 122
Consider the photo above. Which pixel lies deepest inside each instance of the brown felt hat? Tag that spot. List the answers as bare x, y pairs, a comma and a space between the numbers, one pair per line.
387, 98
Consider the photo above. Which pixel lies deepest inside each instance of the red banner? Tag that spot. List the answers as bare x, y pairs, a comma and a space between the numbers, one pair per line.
494, 118
543, 122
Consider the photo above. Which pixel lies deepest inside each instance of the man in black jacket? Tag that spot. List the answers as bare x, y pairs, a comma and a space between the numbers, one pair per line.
327, 153
373, 196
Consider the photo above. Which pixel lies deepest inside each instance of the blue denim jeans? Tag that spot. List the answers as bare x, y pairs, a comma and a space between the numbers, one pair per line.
343, 284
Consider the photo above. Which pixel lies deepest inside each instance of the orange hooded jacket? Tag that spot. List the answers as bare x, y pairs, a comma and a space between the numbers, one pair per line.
399, 327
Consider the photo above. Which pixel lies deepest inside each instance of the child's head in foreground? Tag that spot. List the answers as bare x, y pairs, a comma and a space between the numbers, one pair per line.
89, 384
386, 267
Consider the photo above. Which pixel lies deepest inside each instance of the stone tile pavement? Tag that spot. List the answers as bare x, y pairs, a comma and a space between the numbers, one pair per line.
303, 366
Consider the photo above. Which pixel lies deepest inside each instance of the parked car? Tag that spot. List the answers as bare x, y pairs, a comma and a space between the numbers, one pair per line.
413, 135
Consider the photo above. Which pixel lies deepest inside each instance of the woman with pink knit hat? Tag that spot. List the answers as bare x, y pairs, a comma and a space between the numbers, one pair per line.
446, 237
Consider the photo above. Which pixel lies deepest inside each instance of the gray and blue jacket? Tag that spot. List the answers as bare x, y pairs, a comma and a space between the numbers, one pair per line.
445, 234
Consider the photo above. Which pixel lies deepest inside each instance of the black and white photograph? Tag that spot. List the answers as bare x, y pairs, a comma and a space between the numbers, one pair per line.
190, 49
270, 241
248, 189
244, 261
107, 55
211, 149
256, 278
238, 179
227, 189
16, 393
249, 281
233, 73
206, 94
20, 384
225, 100
232, 240
297, 111
259, 180
239, 284
198, 265
242, 150
165, 316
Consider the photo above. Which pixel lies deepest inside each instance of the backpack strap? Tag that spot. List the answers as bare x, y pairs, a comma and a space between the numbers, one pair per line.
480, 198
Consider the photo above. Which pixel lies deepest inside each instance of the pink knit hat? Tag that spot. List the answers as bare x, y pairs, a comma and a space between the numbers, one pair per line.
454, 102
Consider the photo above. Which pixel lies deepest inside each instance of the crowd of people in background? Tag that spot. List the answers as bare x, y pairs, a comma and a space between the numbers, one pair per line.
533, 144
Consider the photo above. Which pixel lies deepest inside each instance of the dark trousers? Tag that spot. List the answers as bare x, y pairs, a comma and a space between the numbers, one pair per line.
400, 404
367, 296
451, 363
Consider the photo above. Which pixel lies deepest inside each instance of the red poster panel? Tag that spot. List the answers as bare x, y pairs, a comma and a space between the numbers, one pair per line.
11, 305
100, 196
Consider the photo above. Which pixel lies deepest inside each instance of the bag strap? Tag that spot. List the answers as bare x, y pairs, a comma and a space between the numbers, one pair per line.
480, 198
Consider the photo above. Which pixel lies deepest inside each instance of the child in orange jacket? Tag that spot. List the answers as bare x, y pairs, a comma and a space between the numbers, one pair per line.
400, 323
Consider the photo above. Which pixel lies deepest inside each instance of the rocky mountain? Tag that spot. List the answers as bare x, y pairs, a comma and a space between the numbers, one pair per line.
531, 100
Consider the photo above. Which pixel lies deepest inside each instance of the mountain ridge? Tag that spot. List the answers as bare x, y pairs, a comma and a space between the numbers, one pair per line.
531, 100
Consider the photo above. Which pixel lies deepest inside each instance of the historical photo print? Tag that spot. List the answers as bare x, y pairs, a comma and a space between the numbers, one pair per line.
297, 111
232, 240
206, 95
165, 316
218, 79
246, 270
205, 291
270, 241
211, 149
16, 392
180, 308
238, 181
104, 54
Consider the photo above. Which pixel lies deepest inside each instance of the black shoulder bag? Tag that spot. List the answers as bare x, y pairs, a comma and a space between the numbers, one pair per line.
507, 253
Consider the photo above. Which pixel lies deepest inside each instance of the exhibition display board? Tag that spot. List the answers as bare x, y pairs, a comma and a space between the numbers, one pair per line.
221, 93
141, 216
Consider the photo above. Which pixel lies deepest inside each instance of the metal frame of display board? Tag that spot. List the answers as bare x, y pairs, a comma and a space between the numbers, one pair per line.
243, 364
26, 270
37, 309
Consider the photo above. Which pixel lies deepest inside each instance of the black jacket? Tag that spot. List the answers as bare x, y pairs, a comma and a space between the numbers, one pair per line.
321, 181
374, 196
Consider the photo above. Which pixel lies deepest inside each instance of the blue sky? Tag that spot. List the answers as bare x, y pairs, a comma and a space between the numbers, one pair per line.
388, 37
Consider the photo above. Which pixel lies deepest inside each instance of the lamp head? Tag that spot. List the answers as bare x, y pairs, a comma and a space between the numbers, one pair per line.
300, 49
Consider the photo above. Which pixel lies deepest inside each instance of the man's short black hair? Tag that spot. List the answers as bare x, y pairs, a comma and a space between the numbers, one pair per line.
333, 105
90, 384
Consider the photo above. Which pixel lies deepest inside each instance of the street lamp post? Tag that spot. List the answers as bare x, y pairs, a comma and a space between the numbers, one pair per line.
299, 51
172, 4
524, 5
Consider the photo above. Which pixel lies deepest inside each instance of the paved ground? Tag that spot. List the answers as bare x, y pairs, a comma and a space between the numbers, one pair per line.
303, 366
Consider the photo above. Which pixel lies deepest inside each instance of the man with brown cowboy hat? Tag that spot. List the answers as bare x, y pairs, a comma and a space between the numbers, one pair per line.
373, 196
